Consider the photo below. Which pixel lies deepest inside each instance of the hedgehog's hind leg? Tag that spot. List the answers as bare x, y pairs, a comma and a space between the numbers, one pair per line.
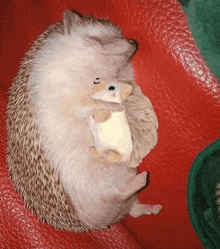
138, 209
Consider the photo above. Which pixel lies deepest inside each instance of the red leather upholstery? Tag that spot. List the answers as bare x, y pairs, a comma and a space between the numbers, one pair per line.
184, 93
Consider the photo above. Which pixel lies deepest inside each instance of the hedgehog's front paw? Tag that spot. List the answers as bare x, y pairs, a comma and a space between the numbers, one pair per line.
94, 152
102, 116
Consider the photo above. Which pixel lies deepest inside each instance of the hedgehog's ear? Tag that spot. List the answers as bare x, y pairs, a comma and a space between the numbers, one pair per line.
70, 18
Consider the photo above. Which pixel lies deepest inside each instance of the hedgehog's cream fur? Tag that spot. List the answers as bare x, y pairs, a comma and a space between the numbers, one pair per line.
49, 140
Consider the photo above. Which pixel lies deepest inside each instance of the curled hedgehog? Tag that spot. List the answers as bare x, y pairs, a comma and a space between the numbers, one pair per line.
49, 159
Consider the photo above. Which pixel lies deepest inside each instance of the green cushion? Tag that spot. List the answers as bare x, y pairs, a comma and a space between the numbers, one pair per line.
204, 22
203, 178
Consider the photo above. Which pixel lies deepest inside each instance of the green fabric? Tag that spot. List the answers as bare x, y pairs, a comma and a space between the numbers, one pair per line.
204, 23
203, 178
184, 3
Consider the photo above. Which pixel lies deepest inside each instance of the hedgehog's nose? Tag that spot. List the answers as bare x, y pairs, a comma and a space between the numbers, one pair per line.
111, 88
132, 42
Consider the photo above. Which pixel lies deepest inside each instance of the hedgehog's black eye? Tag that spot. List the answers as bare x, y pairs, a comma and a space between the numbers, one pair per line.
111, 88
96, 81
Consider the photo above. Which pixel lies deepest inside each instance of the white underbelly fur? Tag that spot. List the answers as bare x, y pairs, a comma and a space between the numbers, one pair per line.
114, 134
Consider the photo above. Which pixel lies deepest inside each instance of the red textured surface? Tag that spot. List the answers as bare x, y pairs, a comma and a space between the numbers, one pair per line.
186, 99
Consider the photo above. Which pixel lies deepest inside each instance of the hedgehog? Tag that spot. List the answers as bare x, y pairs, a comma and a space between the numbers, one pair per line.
48, 154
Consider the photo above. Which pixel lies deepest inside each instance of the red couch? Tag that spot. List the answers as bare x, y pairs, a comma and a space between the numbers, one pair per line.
186, 99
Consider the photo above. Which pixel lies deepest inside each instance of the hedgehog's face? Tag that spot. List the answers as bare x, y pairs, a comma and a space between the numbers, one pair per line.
111, 53
104, 60
98, 48
110, 92
101, 35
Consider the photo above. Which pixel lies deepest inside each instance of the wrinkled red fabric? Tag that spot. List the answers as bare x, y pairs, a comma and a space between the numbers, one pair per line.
186, 99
